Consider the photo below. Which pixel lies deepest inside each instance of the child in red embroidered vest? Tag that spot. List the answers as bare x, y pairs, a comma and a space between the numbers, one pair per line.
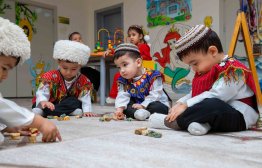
137, 37
223, 91
65, 90
140, 90
15, 48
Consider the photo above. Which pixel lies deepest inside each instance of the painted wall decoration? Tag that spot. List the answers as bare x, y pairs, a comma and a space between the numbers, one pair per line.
208, 20
25, 18
177, 75
3, 7
165, 12
36, 70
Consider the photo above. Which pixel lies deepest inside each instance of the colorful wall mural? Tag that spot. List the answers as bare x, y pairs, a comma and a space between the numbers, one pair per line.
165, 12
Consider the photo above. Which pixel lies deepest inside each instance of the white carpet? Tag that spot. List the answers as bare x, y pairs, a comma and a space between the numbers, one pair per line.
87, 142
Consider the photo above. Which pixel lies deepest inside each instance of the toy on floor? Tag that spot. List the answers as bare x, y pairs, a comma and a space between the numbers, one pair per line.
15, 136
107, 117
34, 132
144, 131
32, 138
52, 117
63, 117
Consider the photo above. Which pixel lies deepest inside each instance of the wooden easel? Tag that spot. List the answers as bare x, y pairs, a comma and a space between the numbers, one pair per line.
241, 24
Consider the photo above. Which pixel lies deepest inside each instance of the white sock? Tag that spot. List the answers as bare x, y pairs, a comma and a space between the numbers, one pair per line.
198, 128
157, 120
38, 111
141, 114
76, 112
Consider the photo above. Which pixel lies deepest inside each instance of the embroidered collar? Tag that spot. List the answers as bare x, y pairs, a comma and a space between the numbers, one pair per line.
223, 61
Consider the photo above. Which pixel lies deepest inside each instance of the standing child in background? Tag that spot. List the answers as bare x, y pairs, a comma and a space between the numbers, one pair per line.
136, 37
15, 48
65, 90
223, 91
140, 90
92, 74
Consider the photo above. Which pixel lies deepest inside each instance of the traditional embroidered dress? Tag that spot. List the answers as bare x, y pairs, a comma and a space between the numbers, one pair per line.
54, 88
230, 81
143, 90
145, 54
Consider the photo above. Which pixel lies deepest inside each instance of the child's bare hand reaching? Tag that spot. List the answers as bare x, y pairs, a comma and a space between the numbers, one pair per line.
175, 111
138, 106
119, 114
49, 131
90, 114
47, 104
23, 130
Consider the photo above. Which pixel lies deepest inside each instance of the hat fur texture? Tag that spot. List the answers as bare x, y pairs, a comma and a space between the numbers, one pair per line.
71, 51
13, 41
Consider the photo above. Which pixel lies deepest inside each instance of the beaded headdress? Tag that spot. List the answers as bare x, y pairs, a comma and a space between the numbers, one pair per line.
127, 47
192, 38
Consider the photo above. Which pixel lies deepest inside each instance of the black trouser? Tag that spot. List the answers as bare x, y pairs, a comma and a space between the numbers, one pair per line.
65, 106
153, 107
93, 75
221, 116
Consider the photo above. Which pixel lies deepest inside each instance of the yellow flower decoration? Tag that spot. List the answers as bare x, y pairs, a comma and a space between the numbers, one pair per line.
26, 26
133, 91
142, 90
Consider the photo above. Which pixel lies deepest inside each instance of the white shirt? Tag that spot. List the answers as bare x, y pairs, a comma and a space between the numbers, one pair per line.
43, 94
229, 92
156, 93
13, 115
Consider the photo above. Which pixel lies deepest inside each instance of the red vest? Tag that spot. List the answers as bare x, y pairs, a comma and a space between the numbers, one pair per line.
58, 88
231, 70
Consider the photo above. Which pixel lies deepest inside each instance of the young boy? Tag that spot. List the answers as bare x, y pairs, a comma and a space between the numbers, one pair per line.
140, 90
65, 90
15, 48
223, 91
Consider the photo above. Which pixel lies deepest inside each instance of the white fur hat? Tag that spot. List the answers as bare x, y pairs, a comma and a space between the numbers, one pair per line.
71, 51
13, 41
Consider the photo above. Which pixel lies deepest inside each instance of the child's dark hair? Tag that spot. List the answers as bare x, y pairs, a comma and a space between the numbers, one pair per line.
17, 60
72, 34
138, 29
127, 49
210, 40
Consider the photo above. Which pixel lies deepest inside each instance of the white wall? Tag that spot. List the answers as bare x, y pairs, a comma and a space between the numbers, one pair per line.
76, 11
135, 13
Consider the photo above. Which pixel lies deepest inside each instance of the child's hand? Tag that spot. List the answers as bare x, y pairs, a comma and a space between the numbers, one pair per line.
107, 52
137, 106
49, 131
90, 114
175, 111
24, 131
46, 104
119, 115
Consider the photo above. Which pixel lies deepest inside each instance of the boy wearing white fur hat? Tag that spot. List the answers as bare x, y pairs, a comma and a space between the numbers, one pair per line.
15, 48
223, 91
65, 90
